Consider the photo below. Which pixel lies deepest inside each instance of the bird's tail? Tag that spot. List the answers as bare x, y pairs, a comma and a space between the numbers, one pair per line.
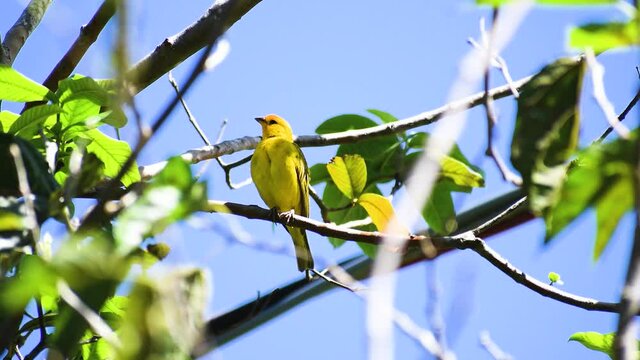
303, 252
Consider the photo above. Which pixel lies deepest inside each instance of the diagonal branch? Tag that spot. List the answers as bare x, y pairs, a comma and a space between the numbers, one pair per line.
22, 29
177, 48
88, 35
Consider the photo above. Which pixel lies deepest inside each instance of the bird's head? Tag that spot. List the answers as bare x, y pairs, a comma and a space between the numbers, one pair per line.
275, 126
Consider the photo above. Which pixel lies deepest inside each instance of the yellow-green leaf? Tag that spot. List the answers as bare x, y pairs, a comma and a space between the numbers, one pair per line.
16, 87
601, 37
379, 209
460, 173
349, 173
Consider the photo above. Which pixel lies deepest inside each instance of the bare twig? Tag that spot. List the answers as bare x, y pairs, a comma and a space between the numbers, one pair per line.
195, 156
22, 29
94, 320
324, 213
599, 93
492, 120
227, 172
190, 116
621, 117
423, 337
492, 348
470, 241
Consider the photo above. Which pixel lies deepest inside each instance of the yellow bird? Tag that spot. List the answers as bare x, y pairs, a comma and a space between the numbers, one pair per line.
281, 175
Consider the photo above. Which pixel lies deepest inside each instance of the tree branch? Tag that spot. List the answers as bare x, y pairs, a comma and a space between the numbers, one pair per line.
195, 156
22, 29
177, 48
88, 35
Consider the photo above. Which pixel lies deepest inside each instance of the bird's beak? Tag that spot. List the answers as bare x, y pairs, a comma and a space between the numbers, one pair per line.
260, 119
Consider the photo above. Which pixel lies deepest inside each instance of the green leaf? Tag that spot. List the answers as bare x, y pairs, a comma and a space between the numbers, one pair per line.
546, 131
40, 180
333, 198
601, 37
349, 173
612, 205
7, 118
554, 278
318, 173
18, 88
172, 196
371, 149
113, 153
81, 87
78, 111
31, 120
379, 209
87, 90
439, 211
343, 123
460, 173
602, 177
383, 115
595, 341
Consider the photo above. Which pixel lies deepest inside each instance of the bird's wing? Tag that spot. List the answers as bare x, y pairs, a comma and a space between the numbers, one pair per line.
302, 171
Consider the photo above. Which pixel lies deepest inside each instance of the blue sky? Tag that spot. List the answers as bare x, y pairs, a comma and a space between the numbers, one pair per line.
311, 60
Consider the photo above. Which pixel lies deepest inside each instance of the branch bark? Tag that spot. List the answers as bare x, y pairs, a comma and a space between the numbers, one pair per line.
177, 48
22, 29
88, 35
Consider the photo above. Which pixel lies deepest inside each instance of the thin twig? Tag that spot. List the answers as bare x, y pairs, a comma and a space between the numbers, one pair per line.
227, 172
491, 150
190, 117
423, 337
18, 353
621, 117
599, 93
470, 241
324, 213
22, 29
492, 348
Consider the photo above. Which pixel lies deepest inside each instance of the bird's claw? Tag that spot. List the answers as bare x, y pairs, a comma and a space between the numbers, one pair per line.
287, 216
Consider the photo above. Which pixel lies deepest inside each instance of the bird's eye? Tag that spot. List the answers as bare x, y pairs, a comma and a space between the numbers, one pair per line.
272, 122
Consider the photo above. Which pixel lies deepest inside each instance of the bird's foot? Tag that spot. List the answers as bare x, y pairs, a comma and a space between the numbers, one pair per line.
287, 216
308, 274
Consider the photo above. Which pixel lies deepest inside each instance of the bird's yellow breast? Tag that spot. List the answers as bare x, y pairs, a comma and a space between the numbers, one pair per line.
273, 169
